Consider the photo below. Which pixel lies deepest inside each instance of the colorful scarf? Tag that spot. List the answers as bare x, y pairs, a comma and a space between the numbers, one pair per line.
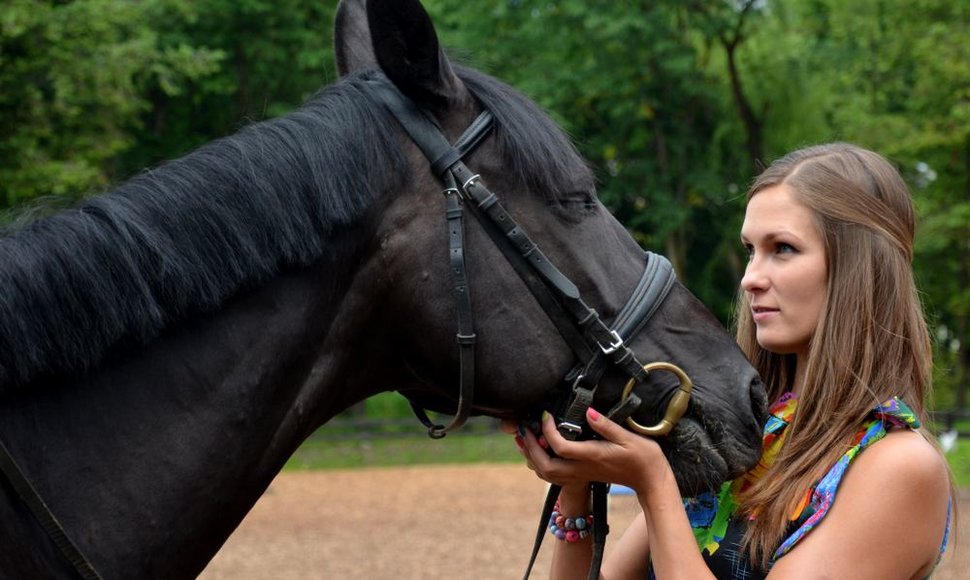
710, 513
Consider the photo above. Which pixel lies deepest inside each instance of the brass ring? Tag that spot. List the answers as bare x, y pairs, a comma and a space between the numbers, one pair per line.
675, 408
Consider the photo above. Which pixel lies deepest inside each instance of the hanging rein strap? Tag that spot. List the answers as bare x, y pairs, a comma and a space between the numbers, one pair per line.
45, 516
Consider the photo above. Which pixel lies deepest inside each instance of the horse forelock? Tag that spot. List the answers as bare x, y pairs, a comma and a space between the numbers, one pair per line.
180, 239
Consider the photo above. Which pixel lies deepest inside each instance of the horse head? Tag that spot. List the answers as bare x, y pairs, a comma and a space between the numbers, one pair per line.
167, 345
521, 358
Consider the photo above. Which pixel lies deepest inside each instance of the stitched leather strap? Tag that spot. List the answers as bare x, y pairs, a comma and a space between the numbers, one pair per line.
45, 516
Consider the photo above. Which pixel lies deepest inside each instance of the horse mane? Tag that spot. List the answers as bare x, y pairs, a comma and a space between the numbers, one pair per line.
118, 269
533, 147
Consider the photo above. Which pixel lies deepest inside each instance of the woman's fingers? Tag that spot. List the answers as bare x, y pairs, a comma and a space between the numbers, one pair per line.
609, 431
558, 460
535, 449
606, 427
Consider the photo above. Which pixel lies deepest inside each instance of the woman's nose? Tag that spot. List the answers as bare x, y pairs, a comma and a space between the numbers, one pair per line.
754, 278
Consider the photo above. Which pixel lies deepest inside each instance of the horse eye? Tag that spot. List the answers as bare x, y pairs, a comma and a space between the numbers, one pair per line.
578, 201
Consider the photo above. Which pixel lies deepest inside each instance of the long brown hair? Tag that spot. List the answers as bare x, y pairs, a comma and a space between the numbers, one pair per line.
871, 342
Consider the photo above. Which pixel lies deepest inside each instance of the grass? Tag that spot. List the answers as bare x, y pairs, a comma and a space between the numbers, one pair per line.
397, 451
959, 455
385, 433
959, 458
479, 448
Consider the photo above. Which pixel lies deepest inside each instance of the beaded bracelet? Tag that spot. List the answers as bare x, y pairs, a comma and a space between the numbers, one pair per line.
569, 529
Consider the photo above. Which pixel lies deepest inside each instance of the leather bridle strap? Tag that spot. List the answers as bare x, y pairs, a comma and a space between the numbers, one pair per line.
544, 281
654, 285
595, 344
466, 336
45, 516
599, 492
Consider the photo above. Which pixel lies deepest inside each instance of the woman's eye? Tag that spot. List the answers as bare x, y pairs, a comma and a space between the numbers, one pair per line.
749, 251
783, 248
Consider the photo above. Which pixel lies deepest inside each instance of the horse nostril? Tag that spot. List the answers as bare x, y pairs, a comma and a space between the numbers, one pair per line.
759, 401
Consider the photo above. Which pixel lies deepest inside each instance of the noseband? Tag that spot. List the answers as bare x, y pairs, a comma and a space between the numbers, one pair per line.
597, 345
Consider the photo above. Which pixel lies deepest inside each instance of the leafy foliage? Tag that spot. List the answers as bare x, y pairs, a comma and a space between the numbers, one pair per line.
74, 79
674, 102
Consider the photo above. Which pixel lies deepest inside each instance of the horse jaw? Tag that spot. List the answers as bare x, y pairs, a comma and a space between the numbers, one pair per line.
398, 38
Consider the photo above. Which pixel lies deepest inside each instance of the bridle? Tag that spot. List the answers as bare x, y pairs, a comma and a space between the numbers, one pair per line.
596, 344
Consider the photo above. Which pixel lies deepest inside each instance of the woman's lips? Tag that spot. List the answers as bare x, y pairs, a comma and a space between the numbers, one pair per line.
762, 313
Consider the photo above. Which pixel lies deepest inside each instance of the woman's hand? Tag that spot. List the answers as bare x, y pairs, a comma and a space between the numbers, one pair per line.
619, 457
628, 459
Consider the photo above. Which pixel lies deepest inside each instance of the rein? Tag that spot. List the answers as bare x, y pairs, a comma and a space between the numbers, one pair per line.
45, 516
596, 344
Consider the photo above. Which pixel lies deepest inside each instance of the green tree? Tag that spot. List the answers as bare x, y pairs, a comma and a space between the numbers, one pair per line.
73, 76
624, 78
885, 74
276, 54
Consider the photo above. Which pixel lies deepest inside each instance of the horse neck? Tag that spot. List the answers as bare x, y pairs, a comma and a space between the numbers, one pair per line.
152, 461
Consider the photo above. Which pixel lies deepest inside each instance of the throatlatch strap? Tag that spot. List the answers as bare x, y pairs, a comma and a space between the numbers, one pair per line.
466, 337
45, 516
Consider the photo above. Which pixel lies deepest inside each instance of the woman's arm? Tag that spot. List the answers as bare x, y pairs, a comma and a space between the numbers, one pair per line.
887, 520
572, 559
628, 557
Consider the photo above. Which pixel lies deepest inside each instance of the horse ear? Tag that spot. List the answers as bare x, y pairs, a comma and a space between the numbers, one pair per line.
406, 47
351, 38
397, 37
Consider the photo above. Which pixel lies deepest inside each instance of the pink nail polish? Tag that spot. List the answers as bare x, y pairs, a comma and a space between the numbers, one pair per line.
592, 414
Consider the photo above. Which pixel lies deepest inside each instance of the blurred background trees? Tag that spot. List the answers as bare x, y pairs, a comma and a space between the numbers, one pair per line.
676, 103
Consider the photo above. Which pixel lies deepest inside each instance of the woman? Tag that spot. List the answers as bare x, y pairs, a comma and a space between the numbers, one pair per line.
848, 485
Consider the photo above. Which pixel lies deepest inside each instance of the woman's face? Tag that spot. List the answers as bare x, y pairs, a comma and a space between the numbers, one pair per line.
785, 279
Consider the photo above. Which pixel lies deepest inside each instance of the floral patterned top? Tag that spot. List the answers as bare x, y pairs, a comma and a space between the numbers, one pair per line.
718, 532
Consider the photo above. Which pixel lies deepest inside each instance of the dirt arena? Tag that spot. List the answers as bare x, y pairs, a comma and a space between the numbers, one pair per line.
427, 522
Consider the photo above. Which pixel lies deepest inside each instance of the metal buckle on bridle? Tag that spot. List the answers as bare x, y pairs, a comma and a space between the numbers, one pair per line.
617, 344
675, 408
471, 180
566, 426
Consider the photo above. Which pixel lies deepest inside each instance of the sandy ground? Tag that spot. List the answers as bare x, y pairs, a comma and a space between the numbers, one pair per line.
429, 522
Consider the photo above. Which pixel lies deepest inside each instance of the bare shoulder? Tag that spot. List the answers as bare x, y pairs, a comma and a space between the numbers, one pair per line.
887, 519
906, 457
904, 474
901, 486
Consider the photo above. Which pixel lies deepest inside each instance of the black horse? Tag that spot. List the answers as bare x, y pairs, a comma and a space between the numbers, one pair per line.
166, 346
